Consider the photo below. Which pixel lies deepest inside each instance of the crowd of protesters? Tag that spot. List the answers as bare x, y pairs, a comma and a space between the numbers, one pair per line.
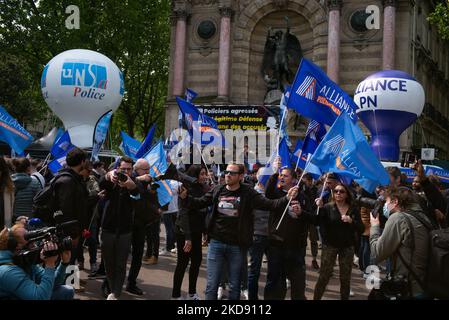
240, 219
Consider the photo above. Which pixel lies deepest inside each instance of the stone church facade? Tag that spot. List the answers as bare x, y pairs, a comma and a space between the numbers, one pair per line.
217, 48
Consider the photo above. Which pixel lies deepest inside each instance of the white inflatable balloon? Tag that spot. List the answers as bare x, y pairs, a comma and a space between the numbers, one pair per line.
80, 86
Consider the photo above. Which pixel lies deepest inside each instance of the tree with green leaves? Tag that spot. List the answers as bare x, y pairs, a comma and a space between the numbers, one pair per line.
133, 34
440, 18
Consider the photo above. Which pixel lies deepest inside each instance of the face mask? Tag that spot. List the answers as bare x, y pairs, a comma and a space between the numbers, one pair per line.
386, 211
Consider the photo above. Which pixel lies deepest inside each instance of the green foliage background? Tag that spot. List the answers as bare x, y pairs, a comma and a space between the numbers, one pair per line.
132, 33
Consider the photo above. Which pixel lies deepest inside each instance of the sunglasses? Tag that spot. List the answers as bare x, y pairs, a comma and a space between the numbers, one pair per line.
340, 191
232, 173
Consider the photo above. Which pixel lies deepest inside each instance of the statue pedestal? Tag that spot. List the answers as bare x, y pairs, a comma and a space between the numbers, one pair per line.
273, 97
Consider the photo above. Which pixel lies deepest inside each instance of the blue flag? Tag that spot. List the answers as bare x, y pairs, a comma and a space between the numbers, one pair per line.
283, 117
317, 97
13, 133
297, 151
59, 134
62, 146
314, 134
164, 192
57, 164
442, 174
345, 151
190, 95
285, 154
157, 159
129, 145
195, 120
268, 170
146, 144
100, 132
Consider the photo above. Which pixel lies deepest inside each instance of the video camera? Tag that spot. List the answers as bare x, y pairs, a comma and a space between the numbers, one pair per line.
375, 204
56, 234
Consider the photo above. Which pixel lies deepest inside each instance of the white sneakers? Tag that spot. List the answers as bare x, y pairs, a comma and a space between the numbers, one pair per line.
194, 296
164, 252
220, 293
245, 294
111, 296
189, 296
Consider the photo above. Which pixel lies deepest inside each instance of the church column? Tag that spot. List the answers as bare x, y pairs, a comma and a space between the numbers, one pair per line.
333, 44
180, 50
389, 34
224, 53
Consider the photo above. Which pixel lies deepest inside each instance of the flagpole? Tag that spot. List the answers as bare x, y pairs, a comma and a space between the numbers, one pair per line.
45, 162
207, 170
322, 192
280, 126
290, 200
297, 161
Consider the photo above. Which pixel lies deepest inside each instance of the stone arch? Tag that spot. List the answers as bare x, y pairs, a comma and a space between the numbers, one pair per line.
247, 21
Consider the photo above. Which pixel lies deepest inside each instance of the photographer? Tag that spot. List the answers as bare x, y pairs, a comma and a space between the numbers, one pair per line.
117, 223
146, 213
404, 239
31, 282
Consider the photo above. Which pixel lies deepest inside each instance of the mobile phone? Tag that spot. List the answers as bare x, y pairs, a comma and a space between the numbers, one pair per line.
121, 176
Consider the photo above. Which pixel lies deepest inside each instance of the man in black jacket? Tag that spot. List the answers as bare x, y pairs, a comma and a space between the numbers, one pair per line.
287, 244
230, 227
117, 223
71, 193
146, 211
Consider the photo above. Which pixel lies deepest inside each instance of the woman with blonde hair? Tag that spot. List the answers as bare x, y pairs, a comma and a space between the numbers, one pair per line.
6, 195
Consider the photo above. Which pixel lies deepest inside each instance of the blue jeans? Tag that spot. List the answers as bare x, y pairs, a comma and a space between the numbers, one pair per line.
218, 255
364, 253
256, 251
285, 263
63, 292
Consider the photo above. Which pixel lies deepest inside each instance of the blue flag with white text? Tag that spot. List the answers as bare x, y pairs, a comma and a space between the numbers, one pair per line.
100, 132
13, 133
316, 96
345, 151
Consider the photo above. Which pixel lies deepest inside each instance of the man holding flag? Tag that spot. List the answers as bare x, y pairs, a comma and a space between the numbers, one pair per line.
231, 225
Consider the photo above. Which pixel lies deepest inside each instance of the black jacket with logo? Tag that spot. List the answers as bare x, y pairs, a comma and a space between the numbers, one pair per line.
250, 199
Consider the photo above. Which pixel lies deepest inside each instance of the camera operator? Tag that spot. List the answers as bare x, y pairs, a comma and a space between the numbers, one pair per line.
31, 282
117, 223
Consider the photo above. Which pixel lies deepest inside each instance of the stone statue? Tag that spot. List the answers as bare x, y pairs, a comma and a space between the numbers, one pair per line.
282, 54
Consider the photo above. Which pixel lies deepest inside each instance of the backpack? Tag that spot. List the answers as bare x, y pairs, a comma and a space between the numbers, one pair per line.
45, 202
436, 284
